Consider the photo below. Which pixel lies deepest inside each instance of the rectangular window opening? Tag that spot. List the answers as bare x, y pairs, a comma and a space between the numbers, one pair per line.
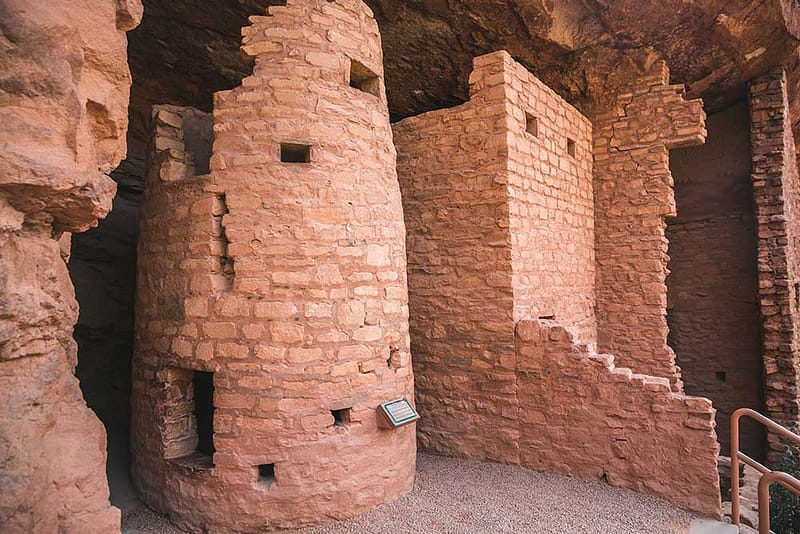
266, 474
532, 125
797, 295
722, 376
204, 411
571, 147
187, 426
295, 153
363, 79
341, 417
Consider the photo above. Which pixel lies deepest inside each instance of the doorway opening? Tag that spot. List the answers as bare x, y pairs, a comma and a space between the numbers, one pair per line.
712, 288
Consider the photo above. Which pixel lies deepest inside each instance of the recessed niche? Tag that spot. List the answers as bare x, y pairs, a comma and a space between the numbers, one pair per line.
531, 125
204, 410
295, 153
722, 376
571, 147
363, 79
341, 417
188, 423
266, 474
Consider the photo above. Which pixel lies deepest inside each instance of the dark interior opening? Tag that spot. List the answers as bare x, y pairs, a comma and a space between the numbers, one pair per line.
341, 417
181, 56
295, 153
266, 474
204, 410
102, 267
712, 289
363, 79
532, 125
571, 147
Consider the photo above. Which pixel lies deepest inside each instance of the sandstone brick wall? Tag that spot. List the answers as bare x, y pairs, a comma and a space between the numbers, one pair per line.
286, 280
487, 387
452, 166
713, 282
582, 416
632, 195
551, 206
777, 194
64, 115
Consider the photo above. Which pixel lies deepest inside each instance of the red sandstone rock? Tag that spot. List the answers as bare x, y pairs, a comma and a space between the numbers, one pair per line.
64, 115
633, 193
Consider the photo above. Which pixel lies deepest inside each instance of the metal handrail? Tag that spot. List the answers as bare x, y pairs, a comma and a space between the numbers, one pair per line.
768, 476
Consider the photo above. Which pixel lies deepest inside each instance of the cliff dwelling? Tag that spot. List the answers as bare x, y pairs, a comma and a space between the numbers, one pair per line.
271, 265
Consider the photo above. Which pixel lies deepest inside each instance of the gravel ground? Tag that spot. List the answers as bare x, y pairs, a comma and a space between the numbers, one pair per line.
456, 496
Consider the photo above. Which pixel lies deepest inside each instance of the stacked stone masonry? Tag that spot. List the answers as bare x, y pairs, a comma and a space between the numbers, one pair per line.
633, 193
713, 310
776, 186
503, 353
582, 416
283, 273
65, 86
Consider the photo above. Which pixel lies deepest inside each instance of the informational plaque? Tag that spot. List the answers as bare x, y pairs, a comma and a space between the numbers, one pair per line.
397, 413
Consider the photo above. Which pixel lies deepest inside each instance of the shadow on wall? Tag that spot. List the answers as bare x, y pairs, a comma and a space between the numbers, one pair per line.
712, 288
103, 270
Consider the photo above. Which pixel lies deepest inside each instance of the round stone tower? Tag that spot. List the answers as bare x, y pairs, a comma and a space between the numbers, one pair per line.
272, 314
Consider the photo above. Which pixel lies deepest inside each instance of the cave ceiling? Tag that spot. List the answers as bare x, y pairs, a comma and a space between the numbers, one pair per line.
184, 50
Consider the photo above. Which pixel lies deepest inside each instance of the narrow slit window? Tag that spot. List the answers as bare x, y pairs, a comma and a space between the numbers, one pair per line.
797, 295
532, 125
295, 153
204, 411
341, 417
571, 147
266, 474
363, 79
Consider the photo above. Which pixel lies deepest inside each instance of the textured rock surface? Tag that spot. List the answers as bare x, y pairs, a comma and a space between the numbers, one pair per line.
283, 272
497, 377
776, 185
571, 45
713, 315
580, 415
633, 194
63, 93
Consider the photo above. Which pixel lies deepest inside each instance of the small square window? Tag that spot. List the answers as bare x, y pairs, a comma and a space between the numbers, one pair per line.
722, 376
341, 417
571, 147
532, 125
363, 79
295, 153
266, 474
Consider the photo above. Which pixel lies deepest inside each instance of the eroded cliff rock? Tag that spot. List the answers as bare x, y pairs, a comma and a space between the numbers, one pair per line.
63, 107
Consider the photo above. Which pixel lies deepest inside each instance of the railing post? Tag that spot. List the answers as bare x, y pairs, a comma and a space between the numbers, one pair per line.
767, 475
763, 502
735, 467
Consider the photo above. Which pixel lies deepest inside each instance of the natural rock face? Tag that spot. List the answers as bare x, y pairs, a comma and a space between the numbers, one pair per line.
572, 46
64, 100
272, 313
714, 46
499, 205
